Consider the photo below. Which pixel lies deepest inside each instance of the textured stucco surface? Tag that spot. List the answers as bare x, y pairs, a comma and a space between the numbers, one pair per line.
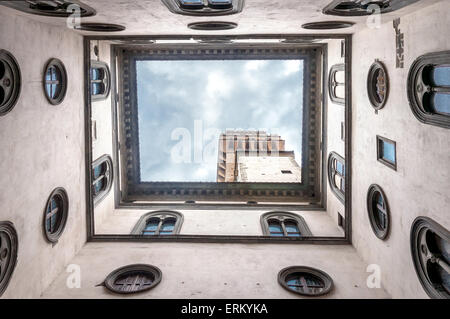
101, 113
420, 186
216, 270
335, 115
42, 147
217, 222
259, 16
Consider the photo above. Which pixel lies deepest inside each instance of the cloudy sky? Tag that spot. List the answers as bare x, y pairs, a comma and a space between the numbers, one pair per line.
184, 105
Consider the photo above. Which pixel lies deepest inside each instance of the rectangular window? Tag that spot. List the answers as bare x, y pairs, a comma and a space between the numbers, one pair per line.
387, 152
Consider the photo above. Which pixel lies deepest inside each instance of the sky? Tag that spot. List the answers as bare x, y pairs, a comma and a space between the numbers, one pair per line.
183, 106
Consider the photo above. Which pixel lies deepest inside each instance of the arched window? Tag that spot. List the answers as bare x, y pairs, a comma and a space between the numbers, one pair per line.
429, 89
336, 84
102, 177
284, 224
336, 175
159, 223
100, 80
430, 250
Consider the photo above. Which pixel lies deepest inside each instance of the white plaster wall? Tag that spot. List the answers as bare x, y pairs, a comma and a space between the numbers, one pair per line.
193, 270
420, 186
42, 147
217, 222
101, 113
335, 115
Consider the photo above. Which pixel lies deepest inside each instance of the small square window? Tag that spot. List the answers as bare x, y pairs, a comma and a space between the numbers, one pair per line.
387, 152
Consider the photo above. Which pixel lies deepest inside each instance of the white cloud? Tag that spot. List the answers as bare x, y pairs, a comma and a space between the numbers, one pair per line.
291, 66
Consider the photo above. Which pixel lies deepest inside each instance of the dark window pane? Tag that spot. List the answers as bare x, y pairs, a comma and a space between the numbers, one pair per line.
96, 74
48, 75
441, 75
97, 171
97, 88
168, 226
442, 103
220, 3
152, 225
292, 229
98, 187
191, 4
275, 228
48, 89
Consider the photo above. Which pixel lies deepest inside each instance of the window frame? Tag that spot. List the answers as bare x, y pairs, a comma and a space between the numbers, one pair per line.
58, 64
206, 11
6, 58
331, 9
109, 177
376, 67
321, 275
283, 39
106, 80
380, 140
162, 215
309, 190
419, 249
416, 105
60, 192
109, 282
7, 229
333, 83
331, 172
374, 190
282, 218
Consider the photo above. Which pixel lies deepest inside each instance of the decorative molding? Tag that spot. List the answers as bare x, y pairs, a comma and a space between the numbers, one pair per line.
137, 190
